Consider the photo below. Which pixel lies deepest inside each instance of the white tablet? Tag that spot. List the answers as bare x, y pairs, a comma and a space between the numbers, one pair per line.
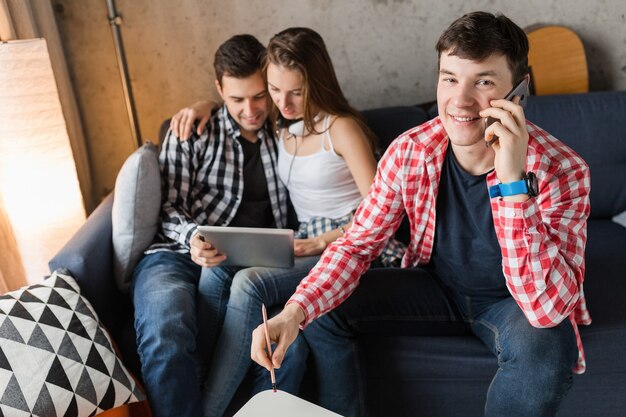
281, 404
251, 246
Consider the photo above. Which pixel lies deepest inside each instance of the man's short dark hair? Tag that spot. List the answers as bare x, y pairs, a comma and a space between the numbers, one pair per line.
479, 35
239, 57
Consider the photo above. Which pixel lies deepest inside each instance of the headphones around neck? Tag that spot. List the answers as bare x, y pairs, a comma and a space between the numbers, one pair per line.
297, 128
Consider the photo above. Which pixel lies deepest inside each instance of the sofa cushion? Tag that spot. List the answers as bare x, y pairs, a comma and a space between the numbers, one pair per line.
55, 358
428, 370
136, 206
605, 268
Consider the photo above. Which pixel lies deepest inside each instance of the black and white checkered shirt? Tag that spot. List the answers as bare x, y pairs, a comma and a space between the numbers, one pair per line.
202, 181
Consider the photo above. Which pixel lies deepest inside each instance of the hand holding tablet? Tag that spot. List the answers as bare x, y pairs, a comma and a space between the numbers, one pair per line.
251, 246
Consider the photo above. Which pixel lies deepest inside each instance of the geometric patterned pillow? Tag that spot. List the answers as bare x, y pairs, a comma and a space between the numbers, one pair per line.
55, 358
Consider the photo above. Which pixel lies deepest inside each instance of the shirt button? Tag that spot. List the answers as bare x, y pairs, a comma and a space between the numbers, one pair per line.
511, 213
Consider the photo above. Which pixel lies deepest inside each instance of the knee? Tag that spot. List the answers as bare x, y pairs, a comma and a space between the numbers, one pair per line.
247, 284
547, 353
164, 340
215, 280
163, 322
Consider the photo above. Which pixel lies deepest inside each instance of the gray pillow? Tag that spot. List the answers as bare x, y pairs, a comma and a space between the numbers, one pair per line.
136, 206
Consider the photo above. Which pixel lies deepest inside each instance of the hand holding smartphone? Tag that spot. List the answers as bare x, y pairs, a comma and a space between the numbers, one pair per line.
521, 91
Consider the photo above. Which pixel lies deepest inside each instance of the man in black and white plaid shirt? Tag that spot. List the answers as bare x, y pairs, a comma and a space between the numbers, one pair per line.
225, 176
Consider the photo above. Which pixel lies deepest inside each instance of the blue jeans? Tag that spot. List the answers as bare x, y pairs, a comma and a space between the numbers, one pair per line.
534, 365
179, 307
250, 288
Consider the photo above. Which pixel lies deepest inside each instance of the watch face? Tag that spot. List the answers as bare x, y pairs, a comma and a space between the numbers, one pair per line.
532, 185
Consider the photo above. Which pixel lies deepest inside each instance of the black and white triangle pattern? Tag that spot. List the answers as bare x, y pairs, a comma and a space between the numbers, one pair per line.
55, 359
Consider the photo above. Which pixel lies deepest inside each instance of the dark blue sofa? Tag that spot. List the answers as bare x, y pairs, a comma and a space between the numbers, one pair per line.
450, 375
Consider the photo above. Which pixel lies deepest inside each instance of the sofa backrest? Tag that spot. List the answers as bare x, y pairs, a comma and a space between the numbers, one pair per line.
389, 122
594, 125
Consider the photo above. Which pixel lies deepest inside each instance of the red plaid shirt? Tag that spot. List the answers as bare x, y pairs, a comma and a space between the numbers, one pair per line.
542, 239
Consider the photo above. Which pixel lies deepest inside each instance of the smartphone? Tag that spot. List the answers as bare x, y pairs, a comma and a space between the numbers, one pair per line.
521, 91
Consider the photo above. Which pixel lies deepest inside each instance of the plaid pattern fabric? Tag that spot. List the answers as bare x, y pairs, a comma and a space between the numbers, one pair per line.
318, 225
542, 239
202, 181
390, 256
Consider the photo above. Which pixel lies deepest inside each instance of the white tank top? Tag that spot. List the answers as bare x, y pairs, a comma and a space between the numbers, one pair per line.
320, 184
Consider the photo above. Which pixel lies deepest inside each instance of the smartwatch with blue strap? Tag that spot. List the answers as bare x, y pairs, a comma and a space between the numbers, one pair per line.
527, 185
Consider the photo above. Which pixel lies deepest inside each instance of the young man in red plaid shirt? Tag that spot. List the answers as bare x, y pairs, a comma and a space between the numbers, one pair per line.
497, 245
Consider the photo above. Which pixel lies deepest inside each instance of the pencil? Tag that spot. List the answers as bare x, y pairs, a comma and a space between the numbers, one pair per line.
269, 345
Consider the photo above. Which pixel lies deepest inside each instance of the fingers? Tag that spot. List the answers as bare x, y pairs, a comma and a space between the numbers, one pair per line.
182, 123
208, 262
283, 329
502, 117
258, 348
299, 247
187, 121
308, 247
202, 123
278, 353
204, 254
509, 122
175, 123
509, 113
511, 147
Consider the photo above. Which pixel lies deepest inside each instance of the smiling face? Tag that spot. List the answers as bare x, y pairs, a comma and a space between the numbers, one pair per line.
247, 102
465, 88
286, 89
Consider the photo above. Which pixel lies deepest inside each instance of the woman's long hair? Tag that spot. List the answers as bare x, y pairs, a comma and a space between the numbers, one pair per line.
303, 50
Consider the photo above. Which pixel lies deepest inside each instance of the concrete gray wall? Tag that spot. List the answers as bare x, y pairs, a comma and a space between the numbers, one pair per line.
383, 51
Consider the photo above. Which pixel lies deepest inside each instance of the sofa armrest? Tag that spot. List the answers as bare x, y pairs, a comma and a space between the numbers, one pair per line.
88, 258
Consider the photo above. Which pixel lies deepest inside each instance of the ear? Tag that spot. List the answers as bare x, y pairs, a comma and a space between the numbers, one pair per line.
219, 89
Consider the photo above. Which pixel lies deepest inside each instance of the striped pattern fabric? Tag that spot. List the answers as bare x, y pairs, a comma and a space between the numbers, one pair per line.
542, 239
202, 181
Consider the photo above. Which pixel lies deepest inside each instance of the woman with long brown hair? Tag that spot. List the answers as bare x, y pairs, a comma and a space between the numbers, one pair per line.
328, 164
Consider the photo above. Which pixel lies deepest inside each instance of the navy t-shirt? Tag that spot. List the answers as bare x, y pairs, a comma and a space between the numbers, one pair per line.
466, 255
